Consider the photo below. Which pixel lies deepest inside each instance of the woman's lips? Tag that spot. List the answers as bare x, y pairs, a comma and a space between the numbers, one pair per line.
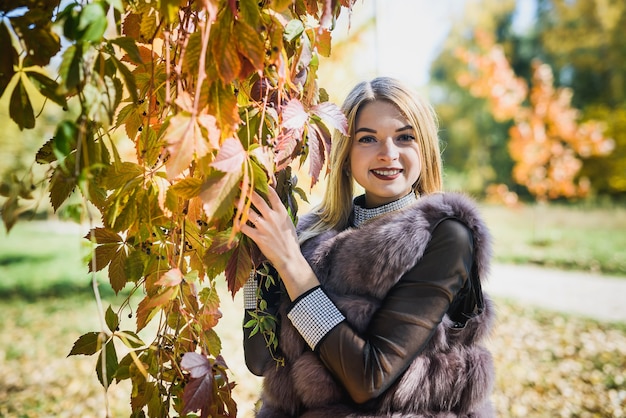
386, 173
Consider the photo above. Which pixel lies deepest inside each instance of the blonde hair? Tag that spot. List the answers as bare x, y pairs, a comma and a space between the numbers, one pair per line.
336, 205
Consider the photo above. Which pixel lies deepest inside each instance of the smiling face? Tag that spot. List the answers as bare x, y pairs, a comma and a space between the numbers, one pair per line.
384, 156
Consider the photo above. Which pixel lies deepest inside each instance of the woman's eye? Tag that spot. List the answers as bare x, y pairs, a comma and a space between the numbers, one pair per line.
406, 138
367, 139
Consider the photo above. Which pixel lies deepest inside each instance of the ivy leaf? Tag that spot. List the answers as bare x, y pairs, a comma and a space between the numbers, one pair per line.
123, 175
9, 59
171, 278
92, 22
316, 154
196, 364
47, 87
323, 42
87, 344
117, 270
224, 52
61, 186
20, 108
332, 116
45, 154
129, 46
250, 44
127, 75
111, 319
150, 305
184, 141
294, 115
219, 192
238, 268
230, 156
70, 69
198, 393
35, 30
108, 356
293, 29
187, 188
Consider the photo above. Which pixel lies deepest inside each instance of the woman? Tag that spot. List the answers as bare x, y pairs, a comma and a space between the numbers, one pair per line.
381, 311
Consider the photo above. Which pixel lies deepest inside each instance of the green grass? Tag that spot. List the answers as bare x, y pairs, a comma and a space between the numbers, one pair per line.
44, 259
573, 238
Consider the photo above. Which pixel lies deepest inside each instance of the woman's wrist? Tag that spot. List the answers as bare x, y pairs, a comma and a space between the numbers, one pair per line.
297, 275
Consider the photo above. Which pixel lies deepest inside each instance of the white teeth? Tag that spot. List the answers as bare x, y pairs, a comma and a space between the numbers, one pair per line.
386, 172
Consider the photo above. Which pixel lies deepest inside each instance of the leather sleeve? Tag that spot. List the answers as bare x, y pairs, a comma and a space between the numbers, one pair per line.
369, 364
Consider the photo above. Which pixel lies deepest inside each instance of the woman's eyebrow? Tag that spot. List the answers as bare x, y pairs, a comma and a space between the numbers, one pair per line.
373, 131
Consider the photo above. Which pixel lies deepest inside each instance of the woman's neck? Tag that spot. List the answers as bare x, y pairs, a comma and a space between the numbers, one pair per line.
362, 214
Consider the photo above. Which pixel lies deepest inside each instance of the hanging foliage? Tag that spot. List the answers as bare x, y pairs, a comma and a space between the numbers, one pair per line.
218, 98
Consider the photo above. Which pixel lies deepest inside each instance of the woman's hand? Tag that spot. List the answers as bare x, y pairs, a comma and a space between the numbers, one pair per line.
271, 228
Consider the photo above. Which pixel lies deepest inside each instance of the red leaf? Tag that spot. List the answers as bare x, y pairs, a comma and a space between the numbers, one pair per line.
332, 116
238, 268
198, 395
230, 157
316, 155
294, 115
196, 364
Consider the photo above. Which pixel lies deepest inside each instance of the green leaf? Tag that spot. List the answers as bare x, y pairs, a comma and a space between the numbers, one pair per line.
20, 108
108, 356
293, 30
64, 141
129, 46
45, 154
70, 69
169, 9
111, 319
9, 58
123, 175
61, 186
130, 339
87, 344
47, 87
92, 22
187, 188
129, 79
36, 32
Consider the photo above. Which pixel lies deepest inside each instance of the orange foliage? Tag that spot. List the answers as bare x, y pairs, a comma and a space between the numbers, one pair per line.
547, 140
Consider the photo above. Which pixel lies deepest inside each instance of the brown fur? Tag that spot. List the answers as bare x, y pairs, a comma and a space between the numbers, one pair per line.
452, 377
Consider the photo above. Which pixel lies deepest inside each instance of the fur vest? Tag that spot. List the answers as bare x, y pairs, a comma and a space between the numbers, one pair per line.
452, 377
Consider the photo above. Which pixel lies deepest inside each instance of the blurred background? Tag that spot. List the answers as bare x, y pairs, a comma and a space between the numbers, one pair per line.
531, 98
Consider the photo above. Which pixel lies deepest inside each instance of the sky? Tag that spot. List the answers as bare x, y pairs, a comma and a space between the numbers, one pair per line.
408, 35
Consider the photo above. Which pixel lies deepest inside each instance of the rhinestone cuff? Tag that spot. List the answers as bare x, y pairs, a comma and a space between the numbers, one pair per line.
314, 316
249, 292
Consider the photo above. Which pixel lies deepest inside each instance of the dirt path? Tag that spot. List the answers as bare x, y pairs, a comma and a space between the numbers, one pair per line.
586, 294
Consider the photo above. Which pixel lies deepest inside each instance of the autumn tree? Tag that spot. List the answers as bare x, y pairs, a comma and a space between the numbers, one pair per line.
217, 99
548, 139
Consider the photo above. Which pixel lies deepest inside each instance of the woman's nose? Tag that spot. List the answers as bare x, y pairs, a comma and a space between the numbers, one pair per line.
388, 150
